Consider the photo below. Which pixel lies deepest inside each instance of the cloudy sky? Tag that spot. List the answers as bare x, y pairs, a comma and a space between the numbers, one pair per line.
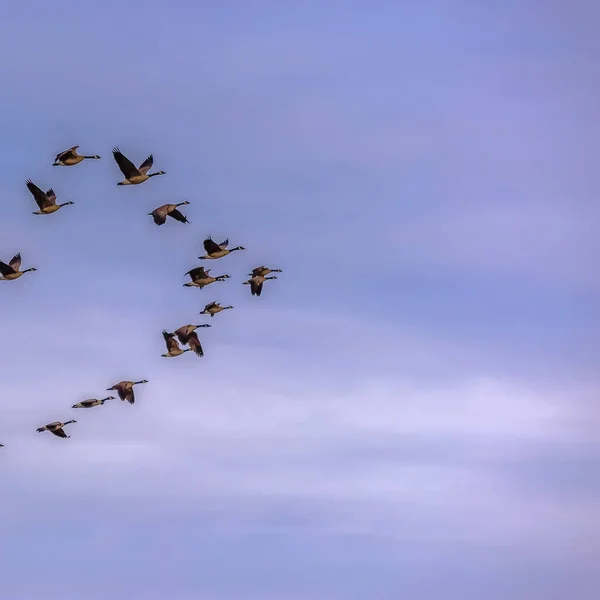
411, 409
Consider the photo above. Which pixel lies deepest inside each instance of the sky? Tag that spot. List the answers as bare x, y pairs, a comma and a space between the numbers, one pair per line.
411, 409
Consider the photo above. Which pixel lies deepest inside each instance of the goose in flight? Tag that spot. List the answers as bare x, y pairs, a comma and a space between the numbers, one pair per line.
56, 428
134, 175
11, 270
214, 250
69, 157
256, 284
92, 402
46, 201
173, 348
212, 308
124, 389
200, 278
263, 271
185, 331
161, 213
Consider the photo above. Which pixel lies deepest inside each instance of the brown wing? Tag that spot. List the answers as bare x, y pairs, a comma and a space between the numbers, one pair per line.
209, 306
258, 271
170, 341
146, 165
224, 244
198, 273
256, 285
59, 432
160, 218
210, 246
178, 216
51, 195
6, 269
15, 261
127, 167
194, 344
70, 153
41, 199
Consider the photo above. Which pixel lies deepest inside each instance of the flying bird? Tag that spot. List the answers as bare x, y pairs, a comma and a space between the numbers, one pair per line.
263, 271
133, 175
184, 332
161, 213
92, 402
56, 428
212, 308
256, 284
46, 201
11, 270
69, 157
200, 278
173, 348
214, 250
124, 389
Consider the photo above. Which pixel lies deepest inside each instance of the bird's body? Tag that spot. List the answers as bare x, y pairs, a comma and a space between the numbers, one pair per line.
69, 157
200, 278
134, 175
11, 271
256, 284
161, 213
56, 428
212, 308
185, 331
173, 348
91, 402
214, 250
263, 271
124, 389
46, 201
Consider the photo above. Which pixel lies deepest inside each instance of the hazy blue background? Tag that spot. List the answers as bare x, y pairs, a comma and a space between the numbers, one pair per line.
411, 410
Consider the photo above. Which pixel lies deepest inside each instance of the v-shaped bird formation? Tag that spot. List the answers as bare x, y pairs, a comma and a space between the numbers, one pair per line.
200, 277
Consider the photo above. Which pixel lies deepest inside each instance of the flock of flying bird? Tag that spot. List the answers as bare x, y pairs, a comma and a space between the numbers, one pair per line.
200, 277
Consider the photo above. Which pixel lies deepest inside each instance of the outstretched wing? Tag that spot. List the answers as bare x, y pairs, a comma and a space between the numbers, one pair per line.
51, 195
258, 271
41, 199
127, 167
170, 341
256, 284
59, 432
70, 153
146, 165
198, 273
209, 306
15, 261
178, 216
224, 244
194, 344
210, 246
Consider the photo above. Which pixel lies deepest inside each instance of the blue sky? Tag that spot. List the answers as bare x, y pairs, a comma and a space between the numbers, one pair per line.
411, 409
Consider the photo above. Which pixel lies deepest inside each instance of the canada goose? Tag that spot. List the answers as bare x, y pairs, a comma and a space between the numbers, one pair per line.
213, 308
92, 402
201, 278
214, 250
194, 344
263, 271
124, 389
173, 348
45, 200
161, 213
56, 428
132, 175
256, 284
11, 271
184, 332
70, 157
